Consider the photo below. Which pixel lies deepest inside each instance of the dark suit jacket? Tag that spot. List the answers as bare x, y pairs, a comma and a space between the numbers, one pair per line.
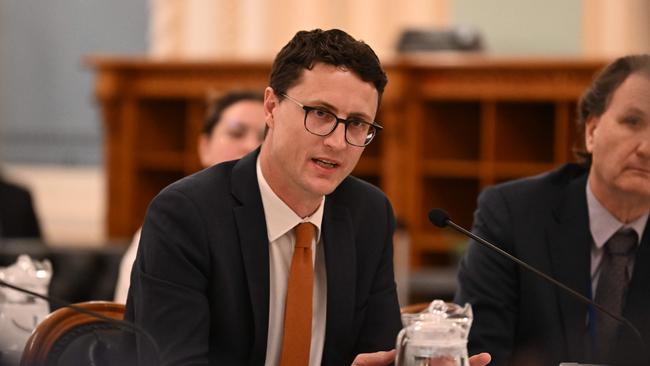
200, 283
17, 216
518, 317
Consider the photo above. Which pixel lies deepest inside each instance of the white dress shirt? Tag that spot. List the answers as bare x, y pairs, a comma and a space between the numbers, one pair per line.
280, 221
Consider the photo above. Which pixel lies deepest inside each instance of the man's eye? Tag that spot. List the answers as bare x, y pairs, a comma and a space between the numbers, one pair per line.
632, 120
359, 125
320, 114
356, 123
237, 133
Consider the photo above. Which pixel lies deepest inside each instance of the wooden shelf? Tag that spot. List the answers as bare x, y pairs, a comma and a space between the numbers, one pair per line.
162, 160
367, 166
453, 125
450, 168
438, 241
451, 130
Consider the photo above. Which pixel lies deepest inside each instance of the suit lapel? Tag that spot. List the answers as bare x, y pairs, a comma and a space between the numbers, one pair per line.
251, 226
340, 262
569, 241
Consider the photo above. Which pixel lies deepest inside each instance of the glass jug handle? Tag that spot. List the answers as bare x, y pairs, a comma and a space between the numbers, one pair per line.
402, 339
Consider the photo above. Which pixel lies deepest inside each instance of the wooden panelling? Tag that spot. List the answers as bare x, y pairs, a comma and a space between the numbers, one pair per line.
453, 125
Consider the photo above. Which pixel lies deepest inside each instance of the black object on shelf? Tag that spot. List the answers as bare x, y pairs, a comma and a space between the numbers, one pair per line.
460, 38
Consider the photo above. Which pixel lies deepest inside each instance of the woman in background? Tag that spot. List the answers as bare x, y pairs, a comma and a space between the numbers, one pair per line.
234, 127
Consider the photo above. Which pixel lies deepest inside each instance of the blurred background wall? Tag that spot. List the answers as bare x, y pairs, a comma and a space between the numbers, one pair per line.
524, 27
50, 129
46, 99
256, 28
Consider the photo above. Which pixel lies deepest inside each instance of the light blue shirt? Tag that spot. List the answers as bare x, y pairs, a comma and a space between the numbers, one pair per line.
603, 225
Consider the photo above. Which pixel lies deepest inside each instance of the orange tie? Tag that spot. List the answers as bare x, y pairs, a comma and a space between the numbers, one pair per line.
298, 308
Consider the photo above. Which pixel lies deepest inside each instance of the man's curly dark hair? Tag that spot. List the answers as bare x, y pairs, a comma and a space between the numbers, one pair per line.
333, 47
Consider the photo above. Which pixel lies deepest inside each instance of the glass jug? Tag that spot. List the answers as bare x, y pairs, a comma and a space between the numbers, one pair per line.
19, 312
436, 336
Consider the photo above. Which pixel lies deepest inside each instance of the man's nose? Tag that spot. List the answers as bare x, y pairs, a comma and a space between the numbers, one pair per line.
643, 148
336, 139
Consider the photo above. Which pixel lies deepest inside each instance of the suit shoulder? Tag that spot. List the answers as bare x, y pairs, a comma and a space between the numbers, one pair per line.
542, 185
209, 181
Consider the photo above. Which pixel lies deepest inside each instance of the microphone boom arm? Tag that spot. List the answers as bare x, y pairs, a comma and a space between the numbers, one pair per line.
539, 273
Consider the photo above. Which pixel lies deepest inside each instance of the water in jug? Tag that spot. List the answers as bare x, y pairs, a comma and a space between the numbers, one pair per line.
436, 336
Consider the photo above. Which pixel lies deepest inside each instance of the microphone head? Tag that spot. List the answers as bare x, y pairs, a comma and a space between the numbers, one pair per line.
438, 217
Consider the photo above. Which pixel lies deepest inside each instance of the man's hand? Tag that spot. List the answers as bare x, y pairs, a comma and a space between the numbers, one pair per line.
481, 359
385, 358
374, 359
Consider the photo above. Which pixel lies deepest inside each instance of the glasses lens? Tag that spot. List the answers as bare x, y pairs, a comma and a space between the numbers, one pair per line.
359, 133
320, 122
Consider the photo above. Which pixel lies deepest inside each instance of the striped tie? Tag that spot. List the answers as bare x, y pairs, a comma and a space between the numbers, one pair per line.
612, 286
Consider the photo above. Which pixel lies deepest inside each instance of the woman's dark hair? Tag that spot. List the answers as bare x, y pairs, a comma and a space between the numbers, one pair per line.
216, 107
595, 100
333, 47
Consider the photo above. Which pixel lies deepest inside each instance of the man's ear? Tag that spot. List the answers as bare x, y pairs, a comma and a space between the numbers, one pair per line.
270, 103
590, 128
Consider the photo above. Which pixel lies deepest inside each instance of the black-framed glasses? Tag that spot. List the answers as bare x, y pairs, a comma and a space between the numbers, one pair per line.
322, 122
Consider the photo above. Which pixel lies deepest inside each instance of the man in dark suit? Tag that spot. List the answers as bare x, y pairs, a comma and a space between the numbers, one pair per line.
17, 216
585, 225
280, 258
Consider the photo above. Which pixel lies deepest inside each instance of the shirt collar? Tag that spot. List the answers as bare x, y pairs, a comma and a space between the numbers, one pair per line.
603, 224
280, 218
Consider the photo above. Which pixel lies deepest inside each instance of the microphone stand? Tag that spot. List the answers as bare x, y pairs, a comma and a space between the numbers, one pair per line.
439, 218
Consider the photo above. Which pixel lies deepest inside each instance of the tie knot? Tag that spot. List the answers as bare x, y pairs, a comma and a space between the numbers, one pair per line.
304, 234
622, 242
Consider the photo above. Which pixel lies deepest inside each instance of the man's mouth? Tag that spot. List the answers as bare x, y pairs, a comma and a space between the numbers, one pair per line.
639, 169
328, 164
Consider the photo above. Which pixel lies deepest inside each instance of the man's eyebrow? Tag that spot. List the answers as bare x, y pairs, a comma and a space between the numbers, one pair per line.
636, 110
234, 122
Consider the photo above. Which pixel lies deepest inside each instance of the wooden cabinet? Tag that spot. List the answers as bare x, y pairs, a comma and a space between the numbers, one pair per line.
474, 121
153, 112
453, 125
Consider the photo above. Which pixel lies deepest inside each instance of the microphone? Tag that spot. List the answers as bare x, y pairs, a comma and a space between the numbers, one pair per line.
440, 218
122, 324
